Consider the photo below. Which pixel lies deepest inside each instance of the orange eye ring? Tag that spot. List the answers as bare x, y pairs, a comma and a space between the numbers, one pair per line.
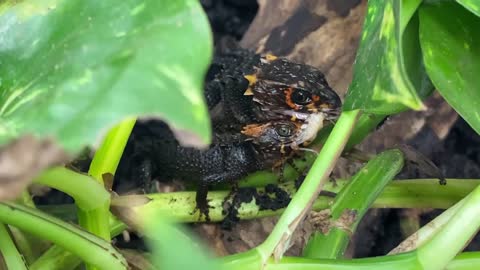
288, 98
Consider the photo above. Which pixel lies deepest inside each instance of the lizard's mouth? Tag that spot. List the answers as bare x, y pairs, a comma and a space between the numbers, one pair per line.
295, 132
312, 124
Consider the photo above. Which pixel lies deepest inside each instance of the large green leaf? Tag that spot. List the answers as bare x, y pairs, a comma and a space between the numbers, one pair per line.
451, 51
388, 75
472, 5
72, 68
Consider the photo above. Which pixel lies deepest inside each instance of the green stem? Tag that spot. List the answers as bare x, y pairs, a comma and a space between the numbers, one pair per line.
108, 155
412, 193
9, 252
465, 261
57, 258
425, 233
350, 205
29, 246
91, 249
398, 194
82, 188
310, 189
180, 205
407, 261
455, 234
425, 193
105, 161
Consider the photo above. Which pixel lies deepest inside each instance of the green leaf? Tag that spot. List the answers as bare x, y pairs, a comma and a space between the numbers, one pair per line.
72, 68
172, 247
388, 74
472, 5
452, 56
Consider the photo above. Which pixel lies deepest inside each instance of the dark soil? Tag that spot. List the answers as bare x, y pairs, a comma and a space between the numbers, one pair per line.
230, 18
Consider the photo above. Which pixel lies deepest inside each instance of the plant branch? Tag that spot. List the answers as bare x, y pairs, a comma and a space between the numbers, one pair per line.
351, 204
82, 188
398, 194
413, 193
277, 242
455, 234
57, 258
251, 261
105, 161
69, 237
9, 252
426, 233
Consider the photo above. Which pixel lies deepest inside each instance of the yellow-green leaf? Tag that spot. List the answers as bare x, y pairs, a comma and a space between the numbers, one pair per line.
388, 74
451, 51
70, 69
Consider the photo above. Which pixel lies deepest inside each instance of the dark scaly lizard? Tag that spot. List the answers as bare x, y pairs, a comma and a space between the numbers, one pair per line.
221, 162
262, 109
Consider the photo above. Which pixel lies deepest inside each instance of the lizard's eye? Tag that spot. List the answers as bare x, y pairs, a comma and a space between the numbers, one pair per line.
301, 97
284, 130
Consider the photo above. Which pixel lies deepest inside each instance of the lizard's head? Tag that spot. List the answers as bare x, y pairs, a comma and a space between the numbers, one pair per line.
283, 89
298, 93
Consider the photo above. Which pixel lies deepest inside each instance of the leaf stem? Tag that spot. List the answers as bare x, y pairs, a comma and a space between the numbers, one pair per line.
69, 237
426, 232
57, 258
455, 234
105, 161
250, 261
108, 155
398, 194
412, 193
351, 204
9, 252
82, 188
299, 207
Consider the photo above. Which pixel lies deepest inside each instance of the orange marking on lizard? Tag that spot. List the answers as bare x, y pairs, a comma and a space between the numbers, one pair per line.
254, 130
288, 98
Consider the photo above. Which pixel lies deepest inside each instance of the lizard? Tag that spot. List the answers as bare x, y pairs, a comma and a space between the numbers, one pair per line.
262, 109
